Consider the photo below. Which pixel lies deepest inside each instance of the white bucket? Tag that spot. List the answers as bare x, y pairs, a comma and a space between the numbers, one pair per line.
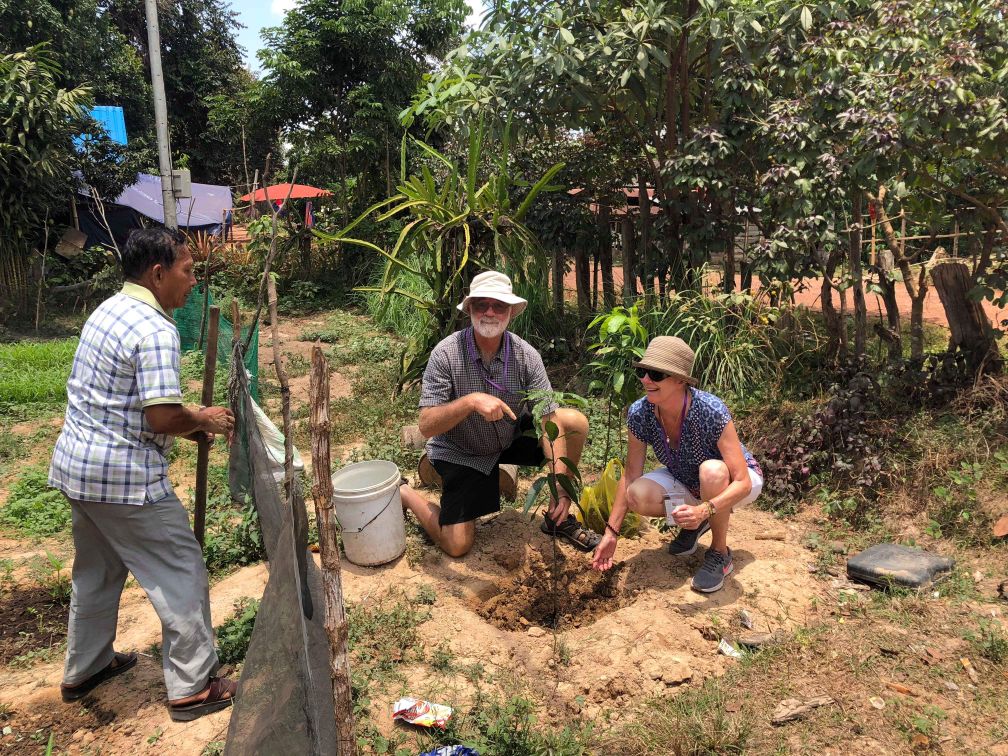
368, 507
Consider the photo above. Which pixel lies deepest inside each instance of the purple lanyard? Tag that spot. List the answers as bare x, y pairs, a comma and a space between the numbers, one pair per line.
682, 428
471, 343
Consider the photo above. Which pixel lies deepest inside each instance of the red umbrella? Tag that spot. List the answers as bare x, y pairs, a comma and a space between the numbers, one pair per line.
278, 193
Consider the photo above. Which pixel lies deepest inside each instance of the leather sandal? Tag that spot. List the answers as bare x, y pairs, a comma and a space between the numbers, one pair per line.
119, 664
220, 694
573, 532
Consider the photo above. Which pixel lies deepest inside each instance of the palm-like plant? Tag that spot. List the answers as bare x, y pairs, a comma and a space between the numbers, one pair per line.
452, 226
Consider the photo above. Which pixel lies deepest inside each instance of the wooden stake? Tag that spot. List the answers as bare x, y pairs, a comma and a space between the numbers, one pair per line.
284, 389
203, 445
332, 587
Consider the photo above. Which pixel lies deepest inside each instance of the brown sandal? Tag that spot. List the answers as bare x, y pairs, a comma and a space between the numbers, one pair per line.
220, 694
119, 664
572, 531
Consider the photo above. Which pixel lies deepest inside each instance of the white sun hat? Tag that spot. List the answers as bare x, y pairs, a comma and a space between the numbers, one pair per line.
494, 285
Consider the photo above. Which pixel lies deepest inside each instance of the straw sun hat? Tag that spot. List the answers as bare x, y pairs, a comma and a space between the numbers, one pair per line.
671, 355
493, 285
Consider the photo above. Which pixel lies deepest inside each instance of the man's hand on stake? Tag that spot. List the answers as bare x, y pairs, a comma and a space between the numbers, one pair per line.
490, 408
217, 420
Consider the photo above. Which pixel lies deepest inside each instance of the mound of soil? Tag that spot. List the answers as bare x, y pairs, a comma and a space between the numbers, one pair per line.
549, 591
30, 621
67, 724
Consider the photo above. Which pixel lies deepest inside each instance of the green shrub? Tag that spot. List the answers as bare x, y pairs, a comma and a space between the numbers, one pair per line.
233, 539
732, 336
35, 371
234, 636
33, 508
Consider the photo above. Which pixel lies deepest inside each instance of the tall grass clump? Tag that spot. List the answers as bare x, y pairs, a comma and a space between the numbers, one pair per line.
400, 315
35, 371
731, 334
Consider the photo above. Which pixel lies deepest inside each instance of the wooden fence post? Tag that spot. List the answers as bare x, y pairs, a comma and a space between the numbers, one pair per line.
332, 588
203, 445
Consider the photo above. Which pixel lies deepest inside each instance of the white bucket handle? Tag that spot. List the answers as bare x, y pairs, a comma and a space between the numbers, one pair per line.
361, 528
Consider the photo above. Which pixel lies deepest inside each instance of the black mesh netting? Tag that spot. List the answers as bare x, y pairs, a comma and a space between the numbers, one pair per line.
284, 702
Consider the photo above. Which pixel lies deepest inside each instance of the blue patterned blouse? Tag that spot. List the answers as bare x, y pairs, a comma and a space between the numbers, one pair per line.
706, 419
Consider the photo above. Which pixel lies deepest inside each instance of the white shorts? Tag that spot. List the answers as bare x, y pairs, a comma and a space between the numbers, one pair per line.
675, 488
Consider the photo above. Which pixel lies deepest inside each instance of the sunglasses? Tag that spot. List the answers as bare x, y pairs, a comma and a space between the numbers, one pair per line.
482, 305
654, 375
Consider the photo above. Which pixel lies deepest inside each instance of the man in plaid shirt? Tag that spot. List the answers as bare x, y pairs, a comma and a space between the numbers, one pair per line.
475, 411
124, 408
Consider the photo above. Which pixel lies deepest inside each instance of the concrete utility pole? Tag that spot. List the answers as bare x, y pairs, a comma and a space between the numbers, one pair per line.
160, 114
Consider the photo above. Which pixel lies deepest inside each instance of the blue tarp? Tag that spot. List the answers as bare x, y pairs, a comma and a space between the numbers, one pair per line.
142, 202
206, 207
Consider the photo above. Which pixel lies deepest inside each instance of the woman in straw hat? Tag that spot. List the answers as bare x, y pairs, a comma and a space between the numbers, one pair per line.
707, 469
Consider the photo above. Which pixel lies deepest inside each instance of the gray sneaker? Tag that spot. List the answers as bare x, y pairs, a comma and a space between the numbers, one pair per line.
685, 543
715, 568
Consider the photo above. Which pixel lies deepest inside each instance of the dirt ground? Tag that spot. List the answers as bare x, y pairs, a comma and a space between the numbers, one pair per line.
633, 633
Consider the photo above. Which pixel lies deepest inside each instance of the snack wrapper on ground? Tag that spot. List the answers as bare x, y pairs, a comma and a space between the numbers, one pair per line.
454, 750
421, 713
597, 501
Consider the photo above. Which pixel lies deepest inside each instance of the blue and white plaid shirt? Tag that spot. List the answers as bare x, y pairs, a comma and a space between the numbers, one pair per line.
127, 359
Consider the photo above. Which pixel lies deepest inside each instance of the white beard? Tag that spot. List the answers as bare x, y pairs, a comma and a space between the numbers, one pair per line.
487, 328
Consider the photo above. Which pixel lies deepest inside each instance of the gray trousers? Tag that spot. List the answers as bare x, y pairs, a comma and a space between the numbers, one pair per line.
156, 544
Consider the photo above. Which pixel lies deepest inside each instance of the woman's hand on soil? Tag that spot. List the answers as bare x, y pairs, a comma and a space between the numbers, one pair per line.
604, 553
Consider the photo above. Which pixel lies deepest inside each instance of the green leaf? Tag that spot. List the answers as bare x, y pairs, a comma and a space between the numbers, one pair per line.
533, 494
552, 431
567, 36
572, 468
806, 18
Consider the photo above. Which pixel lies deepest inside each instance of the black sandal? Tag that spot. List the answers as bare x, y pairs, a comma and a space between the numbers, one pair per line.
572, 531
119, 664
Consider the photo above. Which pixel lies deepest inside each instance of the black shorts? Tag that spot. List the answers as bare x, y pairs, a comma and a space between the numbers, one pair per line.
467, 493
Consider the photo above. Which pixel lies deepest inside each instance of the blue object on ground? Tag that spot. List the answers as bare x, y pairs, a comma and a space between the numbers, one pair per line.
454, 750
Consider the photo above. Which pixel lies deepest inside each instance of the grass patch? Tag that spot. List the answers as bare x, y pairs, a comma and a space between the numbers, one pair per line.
235, 634
989, 641
693, 722
33, 509
35, 371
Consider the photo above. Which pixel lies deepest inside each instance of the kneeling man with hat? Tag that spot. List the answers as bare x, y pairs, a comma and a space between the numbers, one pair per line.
474, 411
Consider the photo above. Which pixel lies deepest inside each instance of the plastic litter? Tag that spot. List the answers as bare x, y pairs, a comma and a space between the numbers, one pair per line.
746, 619
452, 750
421, 713
728, 649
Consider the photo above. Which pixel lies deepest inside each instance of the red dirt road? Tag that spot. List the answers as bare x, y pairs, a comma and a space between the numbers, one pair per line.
810, 291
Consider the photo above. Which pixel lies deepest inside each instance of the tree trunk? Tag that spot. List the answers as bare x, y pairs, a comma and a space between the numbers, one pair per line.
645, 256
582, 274
558, 281
834, 322
595, 281
629, 260
857, 284
605, 257
970, 327
332, 586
